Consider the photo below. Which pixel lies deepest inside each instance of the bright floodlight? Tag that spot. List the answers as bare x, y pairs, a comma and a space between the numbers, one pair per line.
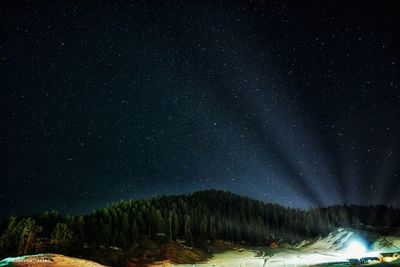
356, 249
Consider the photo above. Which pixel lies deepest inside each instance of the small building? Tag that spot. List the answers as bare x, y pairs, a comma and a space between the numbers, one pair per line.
389, 256
273, 245
369, 260
354, 262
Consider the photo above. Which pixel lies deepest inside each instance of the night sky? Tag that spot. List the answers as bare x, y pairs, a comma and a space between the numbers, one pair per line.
296, 103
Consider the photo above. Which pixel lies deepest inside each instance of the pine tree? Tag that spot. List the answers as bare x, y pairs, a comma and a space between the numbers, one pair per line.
62, 236
175, 224
188, 230
27, 237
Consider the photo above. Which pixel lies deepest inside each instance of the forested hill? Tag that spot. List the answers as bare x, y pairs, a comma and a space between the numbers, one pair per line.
192, 219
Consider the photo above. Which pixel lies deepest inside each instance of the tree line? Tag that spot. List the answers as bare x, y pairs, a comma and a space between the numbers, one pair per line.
190, 219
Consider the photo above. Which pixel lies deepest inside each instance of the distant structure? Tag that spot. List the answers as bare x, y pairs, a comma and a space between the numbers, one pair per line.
389, 256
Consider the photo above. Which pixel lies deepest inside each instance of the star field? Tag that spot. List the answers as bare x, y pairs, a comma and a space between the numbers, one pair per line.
293, 103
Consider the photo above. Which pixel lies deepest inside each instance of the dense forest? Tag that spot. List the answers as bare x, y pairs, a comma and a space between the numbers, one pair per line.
189, 219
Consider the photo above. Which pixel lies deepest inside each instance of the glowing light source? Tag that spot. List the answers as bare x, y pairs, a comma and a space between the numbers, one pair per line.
387, 259
356, 248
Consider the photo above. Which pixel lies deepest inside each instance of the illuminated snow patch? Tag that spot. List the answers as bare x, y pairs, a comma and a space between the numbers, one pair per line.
8, 261
356, 248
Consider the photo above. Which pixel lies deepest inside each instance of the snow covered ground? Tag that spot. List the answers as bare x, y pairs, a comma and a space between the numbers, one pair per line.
338, 246
283, 257
387, 244
48, 260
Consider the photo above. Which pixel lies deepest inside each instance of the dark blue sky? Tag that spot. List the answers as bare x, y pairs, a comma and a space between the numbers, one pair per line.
294, 103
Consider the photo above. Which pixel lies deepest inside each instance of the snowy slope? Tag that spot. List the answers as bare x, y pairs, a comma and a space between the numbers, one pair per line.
336, 240
387, 244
